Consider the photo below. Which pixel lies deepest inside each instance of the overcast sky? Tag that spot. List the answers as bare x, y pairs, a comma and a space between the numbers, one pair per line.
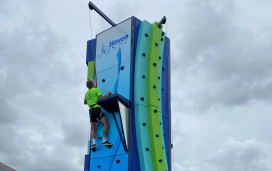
221, 57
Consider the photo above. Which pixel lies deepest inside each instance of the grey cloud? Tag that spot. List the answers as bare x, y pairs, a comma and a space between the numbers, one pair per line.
8, 114
74, 134
218, 65
234, 155
229, 63
248, 155
37, 83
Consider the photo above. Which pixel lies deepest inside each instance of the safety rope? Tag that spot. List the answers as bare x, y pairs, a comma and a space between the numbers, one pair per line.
172, 142
172, 138
91, 23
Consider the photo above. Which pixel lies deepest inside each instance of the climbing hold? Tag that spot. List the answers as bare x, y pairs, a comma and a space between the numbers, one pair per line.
162, 69
146, 35
162, 147
159, 25
122, 67
155, 110
143, 76
142, 99
159, 77
164, 134
143, 54
157, 135
117, 161
161, 39
159, 99
146, 149
103, 80
162, 89
154, 86
100, 138
162, 33
160, 123
144, 124
156, 44
160, 160
98, 166
159, 57
154, 64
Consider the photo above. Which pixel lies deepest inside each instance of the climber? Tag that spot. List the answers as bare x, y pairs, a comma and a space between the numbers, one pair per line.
95, 112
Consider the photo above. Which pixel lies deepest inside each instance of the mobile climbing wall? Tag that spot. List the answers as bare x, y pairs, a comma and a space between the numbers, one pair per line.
132, 59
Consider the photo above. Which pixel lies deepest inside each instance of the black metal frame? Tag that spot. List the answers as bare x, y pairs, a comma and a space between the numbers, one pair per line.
93, 7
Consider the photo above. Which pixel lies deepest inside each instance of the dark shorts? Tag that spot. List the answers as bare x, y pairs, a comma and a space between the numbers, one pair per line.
95, 114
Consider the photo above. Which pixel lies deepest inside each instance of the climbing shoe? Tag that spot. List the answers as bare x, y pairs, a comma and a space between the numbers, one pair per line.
107, 144
93, 148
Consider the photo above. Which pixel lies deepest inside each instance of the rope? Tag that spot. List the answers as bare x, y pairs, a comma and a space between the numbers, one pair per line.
172, 138
94, 78
91, 24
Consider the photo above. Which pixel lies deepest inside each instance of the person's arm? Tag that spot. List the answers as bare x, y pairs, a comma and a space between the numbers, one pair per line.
100, 96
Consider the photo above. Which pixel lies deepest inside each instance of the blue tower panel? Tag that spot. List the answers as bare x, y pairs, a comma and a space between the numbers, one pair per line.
107, 79
113, 46
113, 137
101, 164
120, 162
134, 163
123, 80
166, 99
165, 82
166, 137
166, 51
112, 163
115, 79
90, 55
87, 162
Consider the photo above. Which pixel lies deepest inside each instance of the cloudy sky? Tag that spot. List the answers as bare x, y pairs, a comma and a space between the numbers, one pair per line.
221, 54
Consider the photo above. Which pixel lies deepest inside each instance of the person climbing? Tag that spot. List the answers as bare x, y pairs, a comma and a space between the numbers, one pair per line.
95, 113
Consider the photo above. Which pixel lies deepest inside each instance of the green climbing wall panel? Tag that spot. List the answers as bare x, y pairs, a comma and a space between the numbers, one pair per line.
153, 115
90, 75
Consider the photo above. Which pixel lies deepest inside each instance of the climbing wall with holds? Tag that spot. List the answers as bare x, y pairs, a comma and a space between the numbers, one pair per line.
131, 59
141, 122
153, 98
148, 97
113, 68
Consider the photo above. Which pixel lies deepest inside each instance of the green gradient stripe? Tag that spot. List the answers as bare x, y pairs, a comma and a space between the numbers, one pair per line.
160, 101
160, 70
152, 98
140, 92
90, 75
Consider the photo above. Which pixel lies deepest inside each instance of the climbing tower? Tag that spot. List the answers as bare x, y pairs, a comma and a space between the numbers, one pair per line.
132, 60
